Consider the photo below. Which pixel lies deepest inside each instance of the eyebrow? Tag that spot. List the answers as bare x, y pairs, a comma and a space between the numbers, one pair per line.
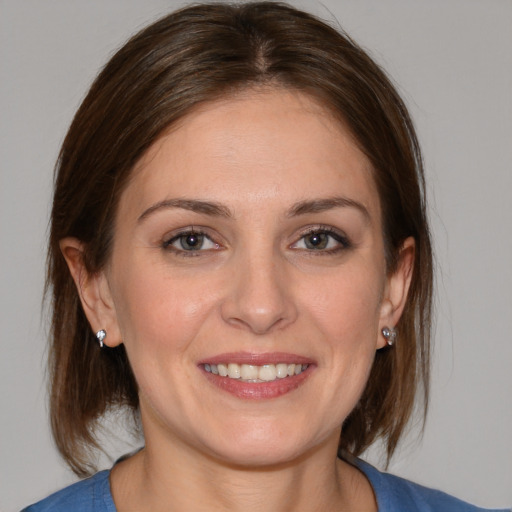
219, 210
194, 205
321, 205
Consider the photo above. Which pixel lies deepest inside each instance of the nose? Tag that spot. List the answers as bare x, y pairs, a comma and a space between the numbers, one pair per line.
260, 298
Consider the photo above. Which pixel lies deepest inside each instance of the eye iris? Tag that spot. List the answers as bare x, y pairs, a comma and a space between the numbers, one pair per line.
191, 241
316, 241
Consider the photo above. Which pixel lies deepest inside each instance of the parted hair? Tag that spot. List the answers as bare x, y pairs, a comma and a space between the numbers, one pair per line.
195, 55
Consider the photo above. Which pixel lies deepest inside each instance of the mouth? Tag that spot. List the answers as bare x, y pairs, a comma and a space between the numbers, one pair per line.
254, 373
257, 376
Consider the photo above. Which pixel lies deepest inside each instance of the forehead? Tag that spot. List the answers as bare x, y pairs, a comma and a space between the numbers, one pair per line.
260, 145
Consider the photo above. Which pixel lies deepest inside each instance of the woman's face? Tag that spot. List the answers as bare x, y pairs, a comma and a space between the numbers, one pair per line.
249, 241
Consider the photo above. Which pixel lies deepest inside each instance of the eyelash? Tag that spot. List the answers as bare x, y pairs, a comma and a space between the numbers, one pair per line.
343, 243
168, 244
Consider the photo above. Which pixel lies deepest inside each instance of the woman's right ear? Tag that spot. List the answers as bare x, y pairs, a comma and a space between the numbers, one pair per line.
93, 290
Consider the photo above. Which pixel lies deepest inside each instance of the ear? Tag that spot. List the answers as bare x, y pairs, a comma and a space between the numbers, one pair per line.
93, 290
396, 289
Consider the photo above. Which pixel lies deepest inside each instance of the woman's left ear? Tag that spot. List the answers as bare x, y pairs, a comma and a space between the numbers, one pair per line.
396, 290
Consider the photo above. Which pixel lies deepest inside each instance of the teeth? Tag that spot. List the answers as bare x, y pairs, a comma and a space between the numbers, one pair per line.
233, 371
268, 372
253, 373
249, 372
281, 370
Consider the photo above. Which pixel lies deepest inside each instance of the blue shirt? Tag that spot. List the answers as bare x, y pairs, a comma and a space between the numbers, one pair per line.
393, 494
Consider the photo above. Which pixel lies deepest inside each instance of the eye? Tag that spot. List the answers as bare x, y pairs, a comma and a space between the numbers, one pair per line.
322, 240
190, 241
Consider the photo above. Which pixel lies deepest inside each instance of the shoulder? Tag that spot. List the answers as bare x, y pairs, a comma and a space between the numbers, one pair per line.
397, 494
89, 495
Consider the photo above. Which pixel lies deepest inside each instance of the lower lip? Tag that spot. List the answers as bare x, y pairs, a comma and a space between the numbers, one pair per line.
259, 390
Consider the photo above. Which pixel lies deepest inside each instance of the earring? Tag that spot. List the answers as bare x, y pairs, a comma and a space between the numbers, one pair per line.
389, 334
101, 335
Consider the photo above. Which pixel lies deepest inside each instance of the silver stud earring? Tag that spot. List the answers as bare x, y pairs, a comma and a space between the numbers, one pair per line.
389, 334
101, 335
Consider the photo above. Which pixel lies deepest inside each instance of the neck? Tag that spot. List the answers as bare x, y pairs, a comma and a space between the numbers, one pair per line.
178, 478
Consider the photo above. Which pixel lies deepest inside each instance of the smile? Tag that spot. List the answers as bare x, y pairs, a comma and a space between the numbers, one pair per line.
255, 373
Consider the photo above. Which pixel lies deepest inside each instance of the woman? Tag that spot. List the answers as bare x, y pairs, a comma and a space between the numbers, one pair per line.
239, 252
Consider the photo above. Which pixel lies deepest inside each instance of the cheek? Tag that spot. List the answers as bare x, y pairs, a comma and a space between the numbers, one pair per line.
160, 318
347, 304
158, 312
346, 314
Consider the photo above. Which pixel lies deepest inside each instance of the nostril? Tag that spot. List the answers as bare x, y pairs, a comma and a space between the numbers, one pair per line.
259, 309
257, 325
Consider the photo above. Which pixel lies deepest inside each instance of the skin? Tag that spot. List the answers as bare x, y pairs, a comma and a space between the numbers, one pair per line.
265, 158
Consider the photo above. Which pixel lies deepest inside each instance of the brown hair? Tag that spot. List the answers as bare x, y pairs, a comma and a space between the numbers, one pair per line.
196, 55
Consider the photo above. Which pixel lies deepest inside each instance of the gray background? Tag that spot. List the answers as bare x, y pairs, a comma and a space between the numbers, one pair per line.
452, 60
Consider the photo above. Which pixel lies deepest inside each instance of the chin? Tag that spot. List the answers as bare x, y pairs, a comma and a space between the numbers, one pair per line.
252, 457
263, 447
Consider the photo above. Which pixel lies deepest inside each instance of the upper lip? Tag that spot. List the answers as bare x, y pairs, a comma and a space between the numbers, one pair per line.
257, 359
